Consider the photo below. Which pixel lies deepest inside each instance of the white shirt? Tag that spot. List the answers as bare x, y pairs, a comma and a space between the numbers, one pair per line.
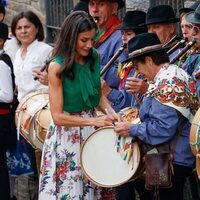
37, 54
11, 47
6, 86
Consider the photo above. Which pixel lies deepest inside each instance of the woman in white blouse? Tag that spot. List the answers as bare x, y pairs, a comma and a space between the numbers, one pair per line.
33, 53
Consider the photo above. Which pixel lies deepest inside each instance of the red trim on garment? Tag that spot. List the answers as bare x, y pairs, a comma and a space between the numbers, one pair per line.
4, 111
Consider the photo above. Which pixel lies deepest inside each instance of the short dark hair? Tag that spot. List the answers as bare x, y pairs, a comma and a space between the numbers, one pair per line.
33, 18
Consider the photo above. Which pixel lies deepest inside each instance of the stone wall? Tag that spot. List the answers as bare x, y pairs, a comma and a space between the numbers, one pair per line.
137, 5
38, 6
16, 6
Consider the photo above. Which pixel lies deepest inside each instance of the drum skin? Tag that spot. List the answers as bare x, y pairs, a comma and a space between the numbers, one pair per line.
195, 134
103, 165
33, 117
195, 140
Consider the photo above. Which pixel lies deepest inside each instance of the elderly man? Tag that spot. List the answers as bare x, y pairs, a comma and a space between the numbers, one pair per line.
193, 61
164, 112
161, 20
108, 38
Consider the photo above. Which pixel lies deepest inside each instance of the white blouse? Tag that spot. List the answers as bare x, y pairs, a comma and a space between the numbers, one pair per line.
6, 87
37, 54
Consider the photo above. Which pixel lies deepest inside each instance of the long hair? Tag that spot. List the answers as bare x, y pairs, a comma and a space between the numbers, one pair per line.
33, 18
65, 45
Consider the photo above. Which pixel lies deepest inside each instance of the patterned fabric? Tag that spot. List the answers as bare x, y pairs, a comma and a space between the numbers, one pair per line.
123, 73
174, 87
19, 160
61, 177
109, 29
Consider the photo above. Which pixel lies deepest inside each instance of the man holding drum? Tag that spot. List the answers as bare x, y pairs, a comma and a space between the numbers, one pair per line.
161, 113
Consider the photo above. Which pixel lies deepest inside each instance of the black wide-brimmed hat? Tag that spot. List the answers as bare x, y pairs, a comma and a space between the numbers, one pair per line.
160, 14
189, 9
81, 5
143, 44
120, 2
3, 31
133, 19
194, 16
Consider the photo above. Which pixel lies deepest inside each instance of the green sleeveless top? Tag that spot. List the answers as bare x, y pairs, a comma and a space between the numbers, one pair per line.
82, 93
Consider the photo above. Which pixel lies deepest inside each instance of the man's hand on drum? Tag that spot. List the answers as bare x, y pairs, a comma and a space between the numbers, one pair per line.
122, 128
136, 85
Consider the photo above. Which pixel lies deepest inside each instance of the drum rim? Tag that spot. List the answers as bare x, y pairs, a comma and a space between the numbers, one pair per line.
193, 133
92, 180
26, 136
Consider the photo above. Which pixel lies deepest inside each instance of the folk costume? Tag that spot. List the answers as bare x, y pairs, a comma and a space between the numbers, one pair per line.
61, 175
119, 98
107, 42
6, 125
169, 106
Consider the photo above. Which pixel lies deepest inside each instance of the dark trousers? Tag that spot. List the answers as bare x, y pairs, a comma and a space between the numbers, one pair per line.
5, 128
126, 191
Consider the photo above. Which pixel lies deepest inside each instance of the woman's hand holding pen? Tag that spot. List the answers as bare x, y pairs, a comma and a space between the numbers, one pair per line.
105, 120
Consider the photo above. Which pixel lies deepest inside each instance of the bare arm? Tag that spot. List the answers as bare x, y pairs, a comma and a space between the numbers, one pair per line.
56, 104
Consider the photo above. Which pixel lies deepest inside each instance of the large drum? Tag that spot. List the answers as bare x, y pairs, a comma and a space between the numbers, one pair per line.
195, 140
195, 134
33, 118
108, 160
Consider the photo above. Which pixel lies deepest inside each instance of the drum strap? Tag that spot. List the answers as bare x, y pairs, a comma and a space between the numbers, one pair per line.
18, 125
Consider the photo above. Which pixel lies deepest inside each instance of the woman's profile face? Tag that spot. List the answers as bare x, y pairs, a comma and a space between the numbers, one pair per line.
85, 43
25, 32
127, 35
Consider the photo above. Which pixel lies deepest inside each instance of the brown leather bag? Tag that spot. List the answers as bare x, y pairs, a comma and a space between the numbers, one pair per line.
158, 168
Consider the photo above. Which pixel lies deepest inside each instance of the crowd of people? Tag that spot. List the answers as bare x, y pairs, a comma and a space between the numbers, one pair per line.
164, 88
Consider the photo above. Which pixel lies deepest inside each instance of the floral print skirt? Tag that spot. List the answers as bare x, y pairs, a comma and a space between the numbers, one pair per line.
61, 177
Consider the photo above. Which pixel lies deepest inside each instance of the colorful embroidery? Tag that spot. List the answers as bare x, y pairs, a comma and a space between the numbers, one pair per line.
173, 87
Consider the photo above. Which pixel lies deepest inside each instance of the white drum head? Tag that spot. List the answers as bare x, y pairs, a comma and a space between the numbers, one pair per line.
101, 162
